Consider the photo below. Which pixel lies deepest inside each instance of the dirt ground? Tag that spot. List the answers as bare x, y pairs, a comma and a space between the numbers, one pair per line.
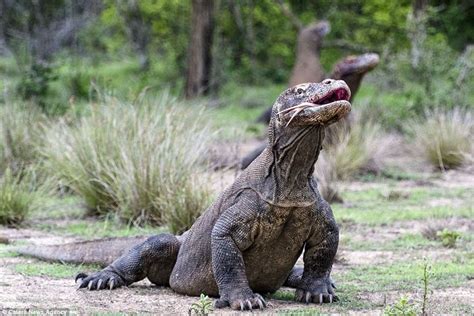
21, 293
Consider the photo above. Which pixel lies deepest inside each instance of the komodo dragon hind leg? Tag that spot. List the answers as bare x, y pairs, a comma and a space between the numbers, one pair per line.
153, 259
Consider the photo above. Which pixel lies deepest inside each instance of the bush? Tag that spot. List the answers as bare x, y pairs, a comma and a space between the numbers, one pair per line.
444, 137
141, 162
16, 198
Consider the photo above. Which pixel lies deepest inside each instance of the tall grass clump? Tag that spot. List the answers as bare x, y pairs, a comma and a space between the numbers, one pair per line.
21, 135
359, 149
16, 198
444, 137
141, 162
350, 151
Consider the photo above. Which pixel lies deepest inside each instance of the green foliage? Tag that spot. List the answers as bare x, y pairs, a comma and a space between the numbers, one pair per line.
34, 84
141, 162
444, 137
448, 237
15, 199
402, 308
203, 307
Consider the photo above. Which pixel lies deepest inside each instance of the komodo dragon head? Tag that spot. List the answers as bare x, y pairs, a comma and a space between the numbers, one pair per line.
312, 104
353, 68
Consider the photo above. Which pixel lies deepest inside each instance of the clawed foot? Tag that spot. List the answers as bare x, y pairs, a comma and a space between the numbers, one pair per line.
244, 302
321, 291
105, 279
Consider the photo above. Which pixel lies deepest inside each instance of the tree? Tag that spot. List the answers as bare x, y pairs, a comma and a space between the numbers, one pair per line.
199, 49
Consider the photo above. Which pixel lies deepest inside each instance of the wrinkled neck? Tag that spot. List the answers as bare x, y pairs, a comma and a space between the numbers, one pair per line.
294, 155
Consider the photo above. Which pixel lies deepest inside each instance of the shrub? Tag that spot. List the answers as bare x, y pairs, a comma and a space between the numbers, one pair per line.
444, 137
142, 162
16, 198
448, 237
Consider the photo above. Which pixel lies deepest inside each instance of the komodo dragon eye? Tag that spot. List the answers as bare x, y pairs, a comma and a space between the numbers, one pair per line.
300, 90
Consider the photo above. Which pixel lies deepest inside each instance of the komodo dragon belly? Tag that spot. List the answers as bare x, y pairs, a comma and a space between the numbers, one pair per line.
277, 245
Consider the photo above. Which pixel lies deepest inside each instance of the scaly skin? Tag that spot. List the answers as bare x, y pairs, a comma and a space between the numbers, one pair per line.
250, 238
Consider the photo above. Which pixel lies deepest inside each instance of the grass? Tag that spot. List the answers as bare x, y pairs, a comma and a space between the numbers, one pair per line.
371, 207
21, 134
444, 138
141, 162
402, 276
16, 198
52, 270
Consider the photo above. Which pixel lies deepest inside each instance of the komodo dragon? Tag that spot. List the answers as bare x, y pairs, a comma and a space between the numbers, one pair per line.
248, 241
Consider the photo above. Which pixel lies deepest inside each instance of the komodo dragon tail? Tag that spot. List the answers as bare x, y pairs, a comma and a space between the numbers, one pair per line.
100, 251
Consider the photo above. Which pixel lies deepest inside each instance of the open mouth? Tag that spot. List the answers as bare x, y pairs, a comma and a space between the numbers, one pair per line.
340, 94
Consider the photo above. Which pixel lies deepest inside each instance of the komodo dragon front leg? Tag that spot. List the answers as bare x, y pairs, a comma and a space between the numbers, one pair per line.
233, 233
313, 283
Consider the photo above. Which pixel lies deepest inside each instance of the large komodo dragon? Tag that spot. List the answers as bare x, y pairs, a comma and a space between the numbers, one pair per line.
250, 238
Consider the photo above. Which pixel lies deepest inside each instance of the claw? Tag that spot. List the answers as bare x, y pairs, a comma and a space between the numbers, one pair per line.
249, 304
111, 283
261, 301
241, 305
308, 297
330, 298
89, 286
99, 284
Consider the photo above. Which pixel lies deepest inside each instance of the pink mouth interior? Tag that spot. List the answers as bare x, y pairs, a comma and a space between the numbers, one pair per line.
336, 95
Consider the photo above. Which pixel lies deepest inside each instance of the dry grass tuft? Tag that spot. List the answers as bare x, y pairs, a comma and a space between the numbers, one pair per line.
363, 148
444, 137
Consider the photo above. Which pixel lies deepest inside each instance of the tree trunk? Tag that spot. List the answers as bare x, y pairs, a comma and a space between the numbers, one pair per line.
199, 50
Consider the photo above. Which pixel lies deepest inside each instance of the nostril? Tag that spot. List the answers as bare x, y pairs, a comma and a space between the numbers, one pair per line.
327, 81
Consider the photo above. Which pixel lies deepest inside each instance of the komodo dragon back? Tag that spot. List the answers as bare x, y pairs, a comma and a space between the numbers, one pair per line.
100, 251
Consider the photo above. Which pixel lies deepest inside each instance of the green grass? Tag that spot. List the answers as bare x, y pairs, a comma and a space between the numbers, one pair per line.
52, 270
99, 229
402, 276
403, 243
7, 251
371, 206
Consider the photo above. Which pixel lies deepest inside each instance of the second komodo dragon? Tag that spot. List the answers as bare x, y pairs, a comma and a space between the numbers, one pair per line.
248, 241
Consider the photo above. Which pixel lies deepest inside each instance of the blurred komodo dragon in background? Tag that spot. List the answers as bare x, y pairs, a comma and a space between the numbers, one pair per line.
248, 241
